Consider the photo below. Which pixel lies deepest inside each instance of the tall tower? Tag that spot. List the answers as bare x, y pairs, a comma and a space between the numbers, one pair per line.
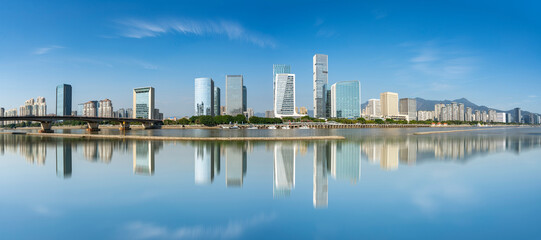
63, 100
320, 85
278, 69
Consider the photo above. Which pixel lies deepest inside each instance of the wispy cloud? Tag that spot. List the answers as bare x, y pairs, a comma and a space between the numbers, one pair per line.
234, 229
135, 28
44, 50
444, 63
379, 14
45, 211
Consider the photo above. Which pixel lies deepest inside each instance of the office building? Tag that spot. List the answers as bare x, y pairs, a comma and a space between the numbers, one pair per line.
269, 114
217, 102
278, 69
408, 107
63, 100
517, 115
328, 103
373, 108
90, 109
204, 97
2, 111
501, 117
143, 102
320, 75
244, 98
105, 109
284, 96
389, 104
234, 95
346, 99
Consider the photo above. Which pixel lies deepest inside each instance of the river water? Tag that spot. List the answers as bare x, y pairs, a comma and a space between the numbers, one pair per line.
376, 184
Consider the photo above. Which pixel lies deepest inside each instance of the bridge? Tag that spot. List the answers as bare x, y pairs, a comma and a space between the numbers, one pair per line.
92, 122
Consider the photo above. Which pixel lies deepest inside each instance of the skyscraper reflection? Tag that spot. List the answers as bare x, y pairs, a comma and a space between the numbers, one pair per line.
389, 156
63, 159
143, 158
204, 163
235, 165
346, 161
321, 158
284, 169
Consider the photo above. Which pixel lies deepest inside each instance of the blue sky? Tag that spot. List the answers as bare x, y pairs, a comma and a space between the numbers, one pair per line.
486, 51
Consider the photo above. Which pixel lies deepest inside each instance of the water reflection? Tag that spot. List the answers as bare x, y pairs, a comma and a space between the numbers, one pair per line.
341, 160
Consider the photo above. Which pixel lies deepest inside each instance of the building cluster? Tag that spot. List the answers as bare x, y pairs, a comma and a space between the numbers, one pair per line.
208, 97
390, 106
341, 100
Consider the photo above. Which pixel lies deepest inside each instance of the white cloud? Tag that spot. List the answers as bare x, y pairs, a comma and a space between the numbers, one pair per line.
133, 28
234, 229
44, 50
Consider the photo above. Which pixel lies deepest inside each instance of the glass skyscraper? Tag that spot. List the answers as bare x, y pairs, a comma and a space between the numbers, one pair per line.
346, 99
143, 102
204, 97
284, 103
217, 103
63, 100
320, 85
234, 95
278, 69
244, 99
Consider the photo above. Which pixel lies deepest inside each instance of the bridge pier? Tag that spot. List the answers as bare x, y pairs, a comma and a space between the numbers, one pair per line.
46, 127
124, 126
92, 127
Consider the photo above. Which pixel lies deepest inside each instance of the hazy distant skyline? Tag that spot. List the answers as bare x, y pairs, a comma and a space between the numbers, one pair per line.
487, 52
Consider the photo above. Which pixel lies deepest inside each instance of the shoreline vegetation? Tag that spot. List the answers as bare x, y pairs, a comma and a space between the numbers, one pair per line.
209, 122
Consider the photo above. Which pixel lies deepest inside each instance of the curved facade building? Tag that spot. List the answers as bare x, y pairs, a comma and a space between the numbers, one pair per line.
204, 97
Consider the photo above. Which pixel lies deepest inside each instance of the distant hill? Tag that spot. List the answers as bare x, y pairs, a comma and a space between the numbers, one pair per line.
428, 105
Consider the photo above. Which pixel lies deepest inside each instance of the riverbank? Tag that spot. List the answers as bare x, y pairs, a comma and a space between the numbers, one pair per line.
163, 138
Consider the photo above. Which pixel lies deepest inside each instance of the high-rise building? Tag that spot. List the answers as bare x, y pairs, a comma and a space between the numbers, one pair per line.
63, 100
389, 104
500, 117
204, 97
105, 108
425, 115
346, 99
408, 107
320, 74
234, 95
278, 69
222, 110
244, 99
143, 102
217, 102
284, 96
2, 110
303, 111
454, 111
269, 114
517, 115
328, 103
461, 113
469, 115
40, 107
90, 109
129, 113
373, 108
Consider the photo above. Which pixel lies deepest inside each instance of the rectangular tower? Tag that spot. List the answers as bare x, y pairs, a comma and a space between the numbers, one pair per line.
63, 100
143, 102
320, 74
234, 96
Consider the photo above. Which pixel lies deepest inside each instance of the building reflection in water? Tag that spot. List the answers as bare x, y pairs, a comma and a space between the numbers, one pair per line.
143, 158
346, 161
284, 169
389, 156
321, 166
204, 163
235, 164
63, 159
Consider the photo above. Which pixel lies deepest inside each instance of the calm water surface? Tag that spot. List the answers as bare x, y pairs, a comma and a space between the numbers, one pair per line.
379, 183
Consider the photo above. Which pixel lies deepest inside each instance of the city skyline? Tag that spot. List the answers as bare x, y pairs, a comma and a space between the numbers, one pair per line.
379, 43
